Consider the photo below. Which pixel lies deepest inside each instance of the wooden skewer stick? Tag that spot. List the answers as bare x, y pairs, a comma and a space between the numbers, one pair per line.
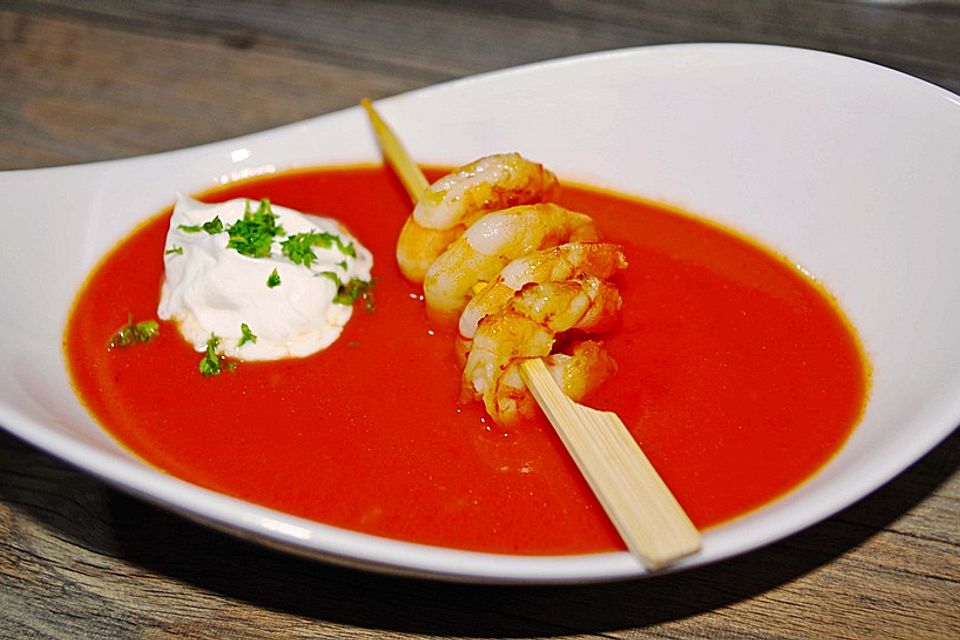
651, 522
649, 519
409, 173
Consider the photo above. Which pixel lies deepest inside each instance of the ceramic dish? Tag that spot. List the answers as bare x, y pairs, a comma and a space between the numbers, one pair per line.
848, 168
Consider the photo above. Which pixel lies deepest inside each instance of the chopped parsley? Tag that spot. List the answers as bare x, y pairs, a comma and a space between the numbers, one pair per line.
174, 250
248, 336
299, 246
274, 279
134, 333
253, 234
210, 364
147, 330
348, 293
347, 250
211, 226
213, 364
332, 276
354, 289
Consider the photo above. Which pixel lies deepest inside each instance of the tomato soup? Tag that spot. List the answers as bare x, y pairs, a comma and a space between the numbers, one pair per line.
737, 375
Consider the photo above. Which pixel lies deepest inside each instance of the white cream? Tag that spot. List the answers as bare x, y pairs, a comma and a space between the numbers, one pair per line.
211, 289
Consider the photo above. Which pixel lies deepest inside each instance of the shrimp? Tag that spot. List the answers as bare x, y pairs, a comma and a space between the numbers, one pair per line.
555, 264
489, 220
492, 242
577, 374
583, 370
526, 328
490, 183
454, 202
419, 247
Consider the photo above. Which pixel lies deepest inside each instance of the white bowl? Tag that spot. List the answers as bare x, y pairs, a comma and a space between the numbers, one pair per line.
850, 169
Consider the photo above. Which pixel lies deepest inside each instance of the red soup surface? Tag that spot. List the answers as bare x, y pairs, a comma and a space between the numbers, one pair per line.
738, 377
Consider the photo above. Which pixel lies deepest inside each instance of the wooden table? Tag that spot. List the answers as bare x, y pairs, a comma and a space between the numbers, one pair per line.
90, 81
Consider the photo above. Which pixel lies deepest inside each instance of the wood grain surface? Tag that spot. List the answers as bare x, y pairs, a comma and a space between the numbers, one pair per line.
113, 78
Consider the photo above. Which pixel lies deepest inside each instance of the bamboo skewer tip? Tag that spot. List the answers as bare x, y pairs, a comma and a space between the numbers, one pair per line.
396, 155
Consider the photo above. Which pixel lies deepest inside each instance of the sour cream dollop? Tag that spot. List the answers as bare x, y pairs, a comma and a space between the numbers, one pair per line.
211, 289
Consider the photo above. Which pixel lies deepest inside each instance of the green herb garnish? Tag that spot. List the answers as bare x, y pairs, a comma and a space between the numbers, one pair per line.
274, 279
253, 235
147, 330
348, 293
354, 289
211, 226
332, 276
210, 364
299, 246
347, 250
248, 336
177, 250
134, 333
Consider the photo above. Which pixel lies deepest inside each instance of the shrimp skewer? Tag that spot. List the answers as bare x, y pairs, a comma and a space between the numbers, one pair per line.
479, 253
647, 516
495, 239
